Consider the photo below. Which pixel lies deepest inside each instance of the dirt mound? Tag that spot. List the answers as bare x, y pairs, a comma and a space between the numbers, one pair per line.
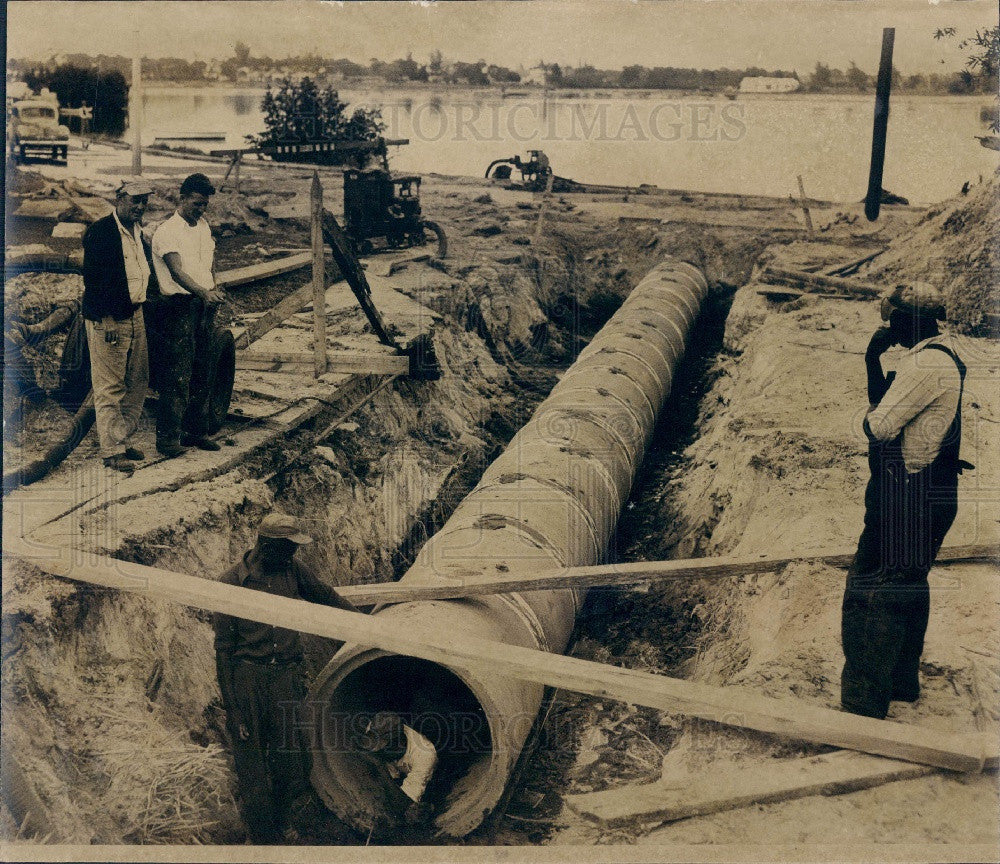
780, 468
957, 246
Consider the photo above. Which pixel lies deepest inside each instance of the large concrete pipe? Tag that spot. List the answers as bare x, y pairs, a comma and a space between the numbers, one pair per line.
550, 500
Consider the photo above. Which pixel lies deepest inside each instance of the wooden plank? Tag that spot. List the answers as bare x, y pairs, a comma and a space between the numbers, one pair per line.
355, 276
823, 283
390, 267
351, 362
248, 364
274, 316
853, 266
735, 706
373, 363
265, 270
731, 787
783, 294
619, 575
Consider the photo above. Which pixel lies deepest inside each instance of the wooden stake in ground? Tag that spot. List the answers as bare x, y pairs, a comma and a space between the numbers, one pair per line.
805, 207
319, 275
546, 198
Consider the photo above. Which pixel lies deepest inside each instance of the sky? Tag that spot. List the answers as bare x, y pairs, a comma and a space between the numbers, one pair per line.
774, 34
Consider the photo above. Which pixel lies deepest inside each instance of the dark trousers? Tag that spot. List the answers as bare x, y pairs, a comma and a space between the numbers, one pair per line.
887, 600
272, 765
180, 355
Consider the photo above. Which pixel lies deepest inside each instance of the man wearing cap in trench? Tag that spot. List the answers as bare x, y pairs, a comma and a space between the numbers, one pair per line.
184, 261
914, 429
261, 680
115, 279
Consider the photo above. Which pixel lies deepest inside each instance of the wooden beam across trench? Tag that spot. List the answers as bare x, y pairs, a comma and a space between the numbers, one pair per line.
622, 575
733, 706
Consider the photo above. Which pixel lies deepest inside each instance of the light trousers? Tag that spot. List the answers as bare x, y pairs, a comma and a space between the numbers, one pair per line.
120, 377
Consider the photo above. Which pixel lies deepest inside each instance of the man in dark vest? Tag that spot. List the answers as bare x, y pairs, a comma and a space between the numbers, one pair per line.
115, 279
261, 681
914, 430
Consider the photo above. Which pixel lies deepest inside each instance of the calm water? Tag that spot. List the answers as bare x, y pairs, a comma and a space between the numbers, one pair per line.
755, 144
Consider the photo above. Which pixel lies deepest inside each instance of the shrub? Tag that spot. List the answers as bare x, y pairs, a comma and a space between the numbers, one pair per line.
299, 113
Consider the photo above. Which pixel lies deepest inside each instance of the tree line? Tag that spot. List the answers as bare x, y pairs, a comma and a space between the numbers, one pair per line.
822, 79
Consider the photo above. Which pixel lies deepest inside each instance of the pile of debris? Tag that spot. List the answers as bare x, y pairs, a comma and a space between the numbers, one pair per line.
957, 246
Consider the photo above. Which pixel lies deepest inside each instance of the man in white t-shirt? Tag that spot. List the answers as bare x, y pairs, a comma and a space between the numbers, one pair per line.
183, 259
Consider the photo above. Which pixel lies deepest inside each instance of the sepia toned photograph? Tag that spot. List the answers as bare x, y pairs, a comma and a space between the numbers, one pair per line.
502, 430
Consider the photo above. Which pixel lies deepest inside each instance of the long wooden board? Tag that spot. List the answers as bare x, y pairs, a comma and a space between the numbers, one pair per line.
743, 786
835, 284
734, 706
619, 575
274, 316
345, 362
265, 270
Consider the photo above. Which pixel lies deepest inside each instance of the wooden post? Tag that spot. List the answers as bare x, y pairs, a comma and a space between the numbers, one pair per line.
805, 207
546, 198
135, 108
319, 276
880, 125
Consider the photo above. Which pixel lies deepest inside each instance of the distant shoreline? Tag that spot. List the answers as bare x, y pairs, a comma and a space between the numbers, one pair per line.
368, 86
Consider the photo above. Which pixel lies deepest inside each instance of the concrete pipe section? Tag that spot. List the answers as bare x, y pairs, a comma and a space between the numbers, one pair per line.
550, 500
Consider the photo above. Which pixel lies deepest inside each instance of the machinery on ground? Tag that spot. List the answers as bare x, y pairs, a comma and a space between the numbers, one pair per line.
537, 176
383, 207
535, 170
34, 131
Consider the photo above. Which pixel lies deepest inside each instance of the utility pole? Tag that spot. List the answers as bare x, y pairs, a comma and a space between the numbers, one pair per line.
883, 85
135, 107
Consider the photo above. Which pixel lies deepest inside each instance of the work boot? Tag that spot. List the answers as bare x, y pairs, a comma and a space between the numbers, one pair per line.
171, 451
134, 453
119, 462
905, 691
202, 442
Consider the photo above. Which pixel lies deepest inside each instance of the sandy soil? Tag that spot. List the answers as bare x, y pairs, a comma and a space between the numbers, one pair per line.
780, 467
775, 462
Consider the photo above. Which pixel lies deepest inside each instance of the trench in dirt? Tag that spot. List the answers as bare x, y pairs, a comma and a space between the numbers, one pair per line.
612, 619
618, 627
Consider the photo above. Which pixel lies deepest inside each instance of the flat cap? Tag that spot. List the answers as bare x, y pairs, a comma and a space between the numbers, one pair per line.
281, 526
917, 298
134, 188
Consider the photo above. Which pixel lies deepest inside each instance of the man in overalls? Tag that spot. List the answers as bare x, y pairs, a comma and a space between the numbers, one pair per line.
260, 675
914, 430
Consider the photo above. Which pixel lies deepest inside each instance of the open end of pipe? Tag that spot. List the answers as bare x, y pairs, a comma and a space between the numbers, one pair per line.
428, 698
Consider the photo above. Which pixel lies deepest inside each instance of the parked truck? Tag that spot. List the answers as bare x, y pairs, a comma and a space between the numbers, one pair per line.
34, 131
